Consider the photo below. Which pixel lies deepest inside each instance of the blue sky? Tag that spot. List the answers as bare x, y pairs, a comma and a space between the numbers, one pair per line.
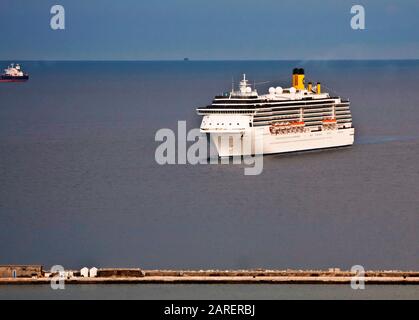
203, 29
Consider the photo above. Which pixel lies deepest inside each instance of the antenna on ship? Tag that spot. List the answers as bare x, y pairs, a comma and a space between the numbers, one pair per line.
243, 84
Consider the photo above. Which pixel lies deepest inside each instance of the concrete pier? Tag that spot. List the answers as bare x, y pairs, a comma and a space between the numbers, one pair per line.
118, 275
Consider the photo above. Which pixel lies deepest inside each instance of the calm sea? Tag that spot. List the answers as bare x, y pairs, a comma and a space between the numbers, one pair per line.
79, 184
211, 292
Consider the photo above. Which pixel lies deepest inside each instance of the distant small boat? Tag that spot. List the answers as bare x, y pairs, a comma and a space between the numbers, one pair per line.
14, 73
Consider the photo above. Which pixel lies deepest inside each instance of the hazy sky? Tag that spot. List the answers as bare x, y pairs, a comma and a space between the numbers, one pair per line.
208, 29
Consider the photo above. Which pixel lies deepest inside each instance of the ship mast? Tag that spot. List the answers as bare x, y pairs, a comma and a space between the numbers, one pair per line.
243, 84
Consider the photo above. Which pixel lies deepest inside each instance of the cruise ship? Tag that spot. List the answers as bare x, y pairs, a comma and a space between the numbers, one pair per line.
242, 122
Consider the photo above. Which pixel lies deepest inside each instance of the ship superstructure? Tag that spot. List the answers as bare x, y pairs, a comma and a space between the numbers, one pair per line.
297, 118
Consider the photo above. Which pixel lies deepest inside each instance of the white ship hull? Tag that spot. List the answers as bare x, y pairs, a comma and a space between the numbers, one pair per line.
259, 140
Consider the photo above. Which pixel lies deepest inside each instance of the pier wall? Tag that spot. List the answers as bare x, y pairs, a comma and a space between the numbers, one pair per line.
35, 275
21, 271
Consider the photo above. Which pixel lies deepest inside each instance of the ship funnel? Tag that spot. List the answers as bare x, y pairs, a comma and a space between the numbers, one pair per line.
298, 78
318, 88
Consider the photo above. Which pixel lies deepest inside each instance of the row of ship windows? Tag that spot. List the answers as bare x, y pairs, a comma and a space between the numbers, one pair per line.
250, 124
229, 111
306, 110
338, 116
260, 111
305, 114
222, 124
293, 119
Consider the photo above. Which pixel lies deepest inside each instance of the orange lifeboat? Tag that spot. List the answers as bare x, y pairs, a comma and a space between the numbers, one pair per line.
329, 124
329, 121
286, 127
298, 123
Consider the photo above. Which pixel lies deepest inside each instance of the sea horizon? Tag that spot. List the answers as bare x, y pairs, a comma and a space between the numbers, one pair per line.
211, 60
